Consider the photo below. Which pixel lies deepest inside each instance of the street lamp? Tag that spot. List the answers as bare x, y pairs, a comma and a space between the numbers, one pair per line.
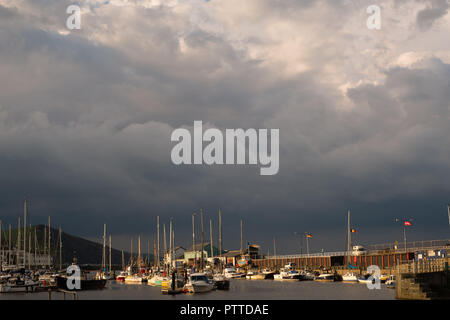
193, 240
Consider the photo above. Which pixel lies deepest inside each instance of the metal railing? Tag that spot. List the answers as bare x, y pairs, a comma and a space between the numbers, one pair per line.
413, 245
376, 249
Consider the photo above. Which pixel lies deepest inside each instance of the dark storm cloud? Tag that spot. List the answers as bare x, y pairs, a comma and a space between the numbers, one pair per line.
86, 118
434, 10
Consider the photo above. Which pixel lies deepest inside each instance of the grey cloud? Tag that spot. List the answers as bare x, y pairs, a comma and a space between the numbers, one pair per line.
85, 130
435, 9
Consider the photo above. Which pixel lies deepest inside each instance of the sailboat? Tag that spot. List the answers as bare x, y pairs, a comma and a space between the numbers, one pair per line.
85, 282
135, 277
103, 274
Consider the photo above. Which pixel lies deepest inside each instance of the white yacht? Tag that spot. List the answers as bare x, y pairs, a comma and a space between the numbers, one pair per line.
135, 278
350, 277
230, 273
306, 275
287, 275
198, 283
390, 283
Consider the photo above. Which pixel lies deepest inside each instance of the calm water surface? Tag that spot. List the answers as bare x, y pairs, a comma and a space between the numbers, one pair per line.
239, 290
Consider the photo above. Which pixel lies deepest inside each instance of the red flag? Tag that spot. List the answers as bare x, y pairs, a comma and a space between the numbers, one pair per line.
407, 223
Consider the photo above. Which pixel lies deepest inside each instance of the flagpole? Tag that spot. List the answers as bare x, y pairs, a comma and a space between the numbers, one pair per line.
404, 238
307, 242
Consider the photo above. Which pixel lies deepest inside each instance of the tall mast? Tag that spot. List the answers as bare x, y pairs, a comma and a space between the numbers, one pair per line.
9, 245
154, 252
157, 239
173, 242
211, 238
275, 251
18, 242
49, 243
24, 233
164, 235
110, 250
29, 247
220, 233
139, 253
104, 249
349, 239
170, 243
35, 248
242, 243
193, 239
202, 236
123, 261
131, 253
45, 239
60, 248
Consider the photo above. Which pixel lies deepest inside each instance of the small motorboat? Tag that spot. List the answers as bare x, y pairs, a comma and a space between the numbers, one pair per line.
133, 278
268, 274
390, 283
350, 277
157, 280
384, 278
287, 275
221, 283
306, 275
366, 279
198, 283
85, 283
230, 273
122, 275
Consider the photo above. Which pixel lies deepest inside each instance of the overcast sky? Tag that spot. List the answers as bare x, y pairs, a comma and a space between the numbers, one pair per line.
86, 117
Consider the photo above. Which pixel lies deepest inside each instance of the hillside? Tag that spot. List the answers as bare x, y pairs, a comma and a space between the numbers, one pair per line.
86, 251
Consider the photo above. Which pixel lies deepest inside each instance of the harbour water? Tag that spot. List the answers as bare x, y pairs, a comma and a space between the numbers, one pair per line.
239, 290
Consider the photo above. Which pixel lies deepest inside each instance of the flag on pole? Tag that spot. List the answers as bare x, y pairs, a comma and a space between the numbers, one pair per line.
407, 223
352, 230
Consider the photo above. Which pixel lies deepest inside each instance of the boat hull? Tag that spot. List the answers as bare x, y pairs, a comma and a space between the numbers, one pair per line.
325, 278
199, 288
94, 284
222, 285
